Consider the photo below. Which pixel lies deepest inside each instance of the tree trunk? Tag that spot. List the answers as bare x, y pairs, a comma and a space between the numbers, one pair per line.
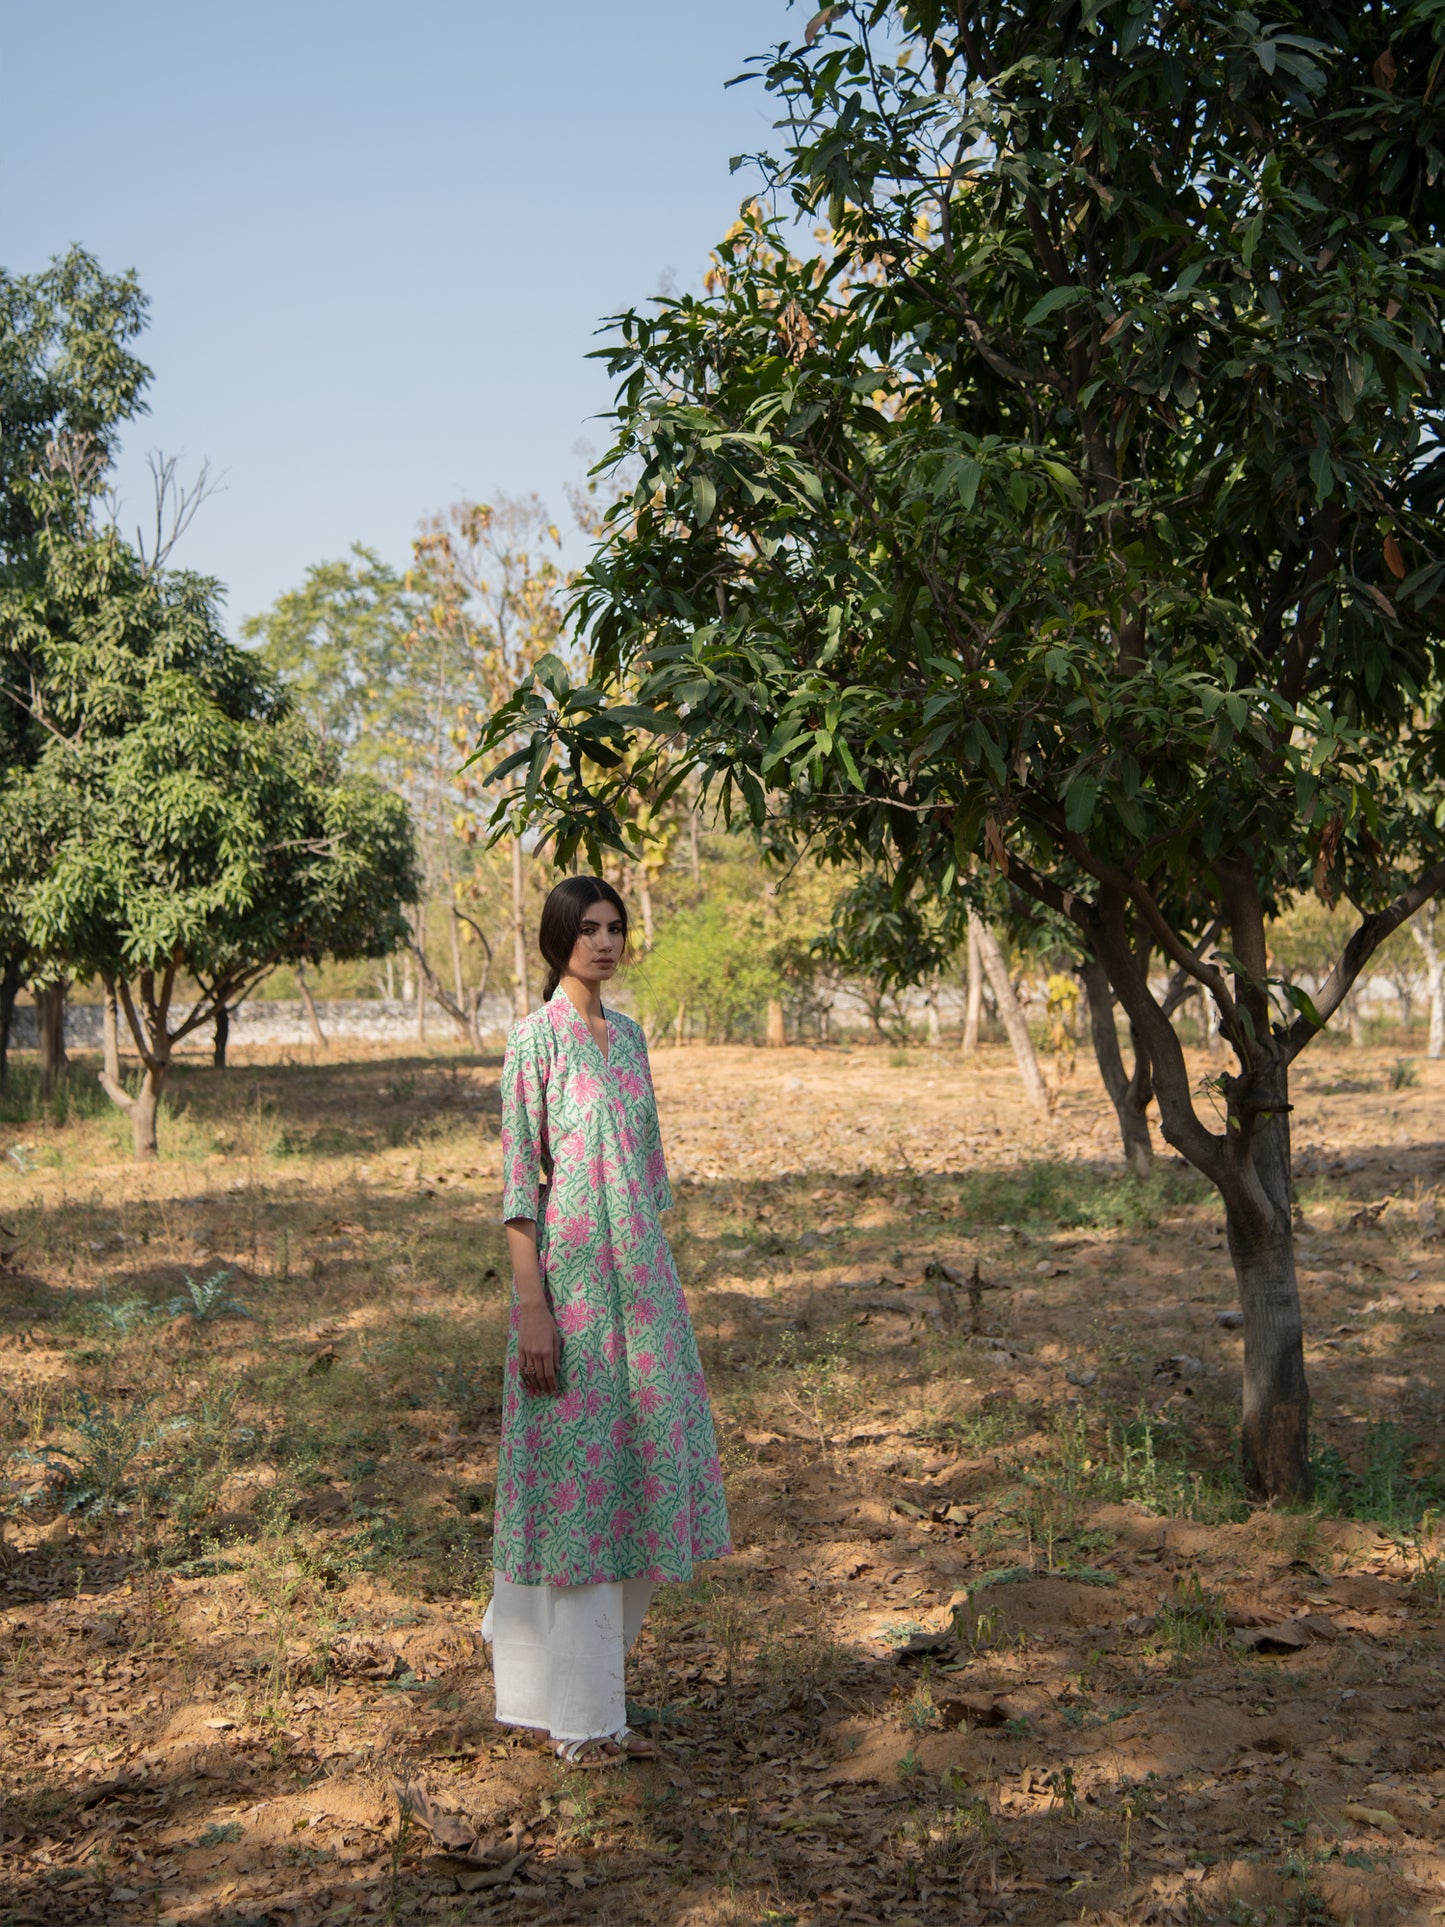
1422, 929
1248, 1163
10, 981
1274, 1430
777, 1033
222, 1035
644, 898
935, 1029
1354, 1019
50, 1028
969, 1041
423, 973
144, 1109
521, 996
111, 1031
318, 1035
1129, 1095
458, 978
1011, 1014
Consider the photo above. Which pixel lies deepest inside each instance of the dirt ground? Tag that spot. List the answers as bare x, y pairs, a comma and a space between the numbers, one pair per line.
1001, 1639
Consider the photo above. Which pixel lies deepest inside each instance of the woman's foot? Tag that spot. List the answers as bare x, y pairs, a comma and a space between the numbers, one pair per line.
610, 1749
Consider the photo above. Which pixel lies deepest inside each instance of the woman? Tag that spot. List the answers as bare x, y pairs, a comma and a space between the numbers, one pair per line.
608, 1481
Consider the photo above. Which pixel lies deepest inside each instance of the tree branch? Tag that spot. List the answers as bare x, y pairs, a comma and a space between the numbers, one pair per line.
1366, 940
122, 984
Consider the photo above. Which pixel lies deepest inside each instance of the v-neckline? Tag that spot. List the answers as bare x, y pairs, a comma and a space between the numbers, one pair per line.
587, 1030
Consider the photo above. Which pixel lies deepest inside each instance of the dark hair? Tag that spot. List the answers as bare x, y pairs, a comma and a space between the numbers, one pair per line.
562, 916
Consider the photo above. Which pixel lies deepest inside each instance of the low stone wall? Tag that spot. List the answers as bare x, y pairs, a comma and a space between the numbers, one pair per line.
283, 1021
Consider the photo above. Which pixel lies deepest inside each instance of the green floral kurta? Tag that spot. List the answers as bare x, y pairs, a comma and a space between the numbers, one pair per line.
616, 1476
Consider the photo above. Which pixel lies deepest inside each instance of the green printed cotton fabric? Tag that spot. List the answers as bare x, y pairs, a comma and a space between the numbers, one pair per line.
616, 1476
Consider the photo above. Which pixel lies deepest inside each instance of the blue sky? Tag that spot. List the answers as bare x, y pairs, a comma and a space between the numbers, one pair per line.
377, 238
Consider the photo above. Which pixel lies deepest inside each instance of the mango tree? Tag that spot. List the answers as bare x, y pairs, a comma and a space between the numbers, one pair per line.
1073, 511
174, 829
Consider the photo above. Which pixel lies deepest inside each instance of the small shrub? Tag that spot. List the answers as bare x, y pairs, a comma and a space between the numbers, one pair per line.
1403, 1073
207, 1300
100, 1472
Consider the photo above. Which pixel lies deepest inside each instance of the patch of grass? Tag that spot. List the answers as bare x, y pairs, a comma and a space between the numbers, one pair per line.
1378, 1488
1190, 1623
1056, 1194
75, 1097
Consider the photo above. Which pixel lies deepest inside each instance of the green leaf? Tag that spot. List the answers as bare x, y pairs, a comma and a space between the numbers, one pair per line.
1048, 304
1304, 1004
704, 499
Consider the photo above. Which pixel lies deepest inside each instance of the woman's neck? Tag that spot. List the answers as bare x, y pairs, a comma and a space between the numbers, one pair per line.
585, 996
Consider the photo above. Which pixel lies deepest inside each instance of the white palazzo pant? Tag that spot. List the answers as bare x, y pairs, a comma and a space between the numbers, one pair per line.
558, 1651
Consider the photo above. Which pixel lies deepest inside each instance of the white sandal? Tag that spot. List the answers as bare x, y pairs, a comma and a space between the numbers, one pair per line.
625, 1744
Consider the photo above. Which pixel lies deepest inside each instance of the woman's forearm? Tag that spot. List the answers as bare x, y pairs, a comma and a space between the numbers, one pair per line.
522, 1249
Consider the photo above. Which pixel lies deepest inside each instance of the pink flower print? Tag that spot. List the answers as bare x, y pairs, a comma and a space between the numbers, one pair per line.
680, 1529
606, 1256
656, 1167
650, 1399
612, 1347
574, 1232
652, 1489
597, 1171
532, 1438
653, 1540
594, 1454
654, 1573
574, 1318
569, 1407
565, 1497
645, 1364
640, 1274
515, 1324
631, 1083
637, 1227
594, 1402
649, 1451
584, 1085
675, 1437
594, 1546
621, 1433
597, 1491
571, 1146
529, 1477
669, 1348
623, 1523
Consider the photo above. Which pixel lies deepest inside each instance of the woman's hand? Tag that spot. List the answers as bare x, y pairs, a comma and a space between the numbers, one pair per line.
539, 1347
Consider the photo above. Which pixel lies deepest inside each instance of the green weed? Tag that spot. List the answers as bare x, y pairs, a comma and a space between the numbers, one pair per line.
100, 1472
1379, 1487
207, 1300
1190, 1622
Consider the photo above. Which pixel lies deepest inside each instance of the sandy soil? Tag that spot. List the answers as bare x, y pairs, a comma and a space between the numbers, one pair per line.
1001, 1640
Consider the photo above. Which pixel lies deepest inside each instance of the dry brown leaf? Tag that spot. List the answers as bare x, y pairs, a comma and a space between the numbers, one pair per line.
1379, 1817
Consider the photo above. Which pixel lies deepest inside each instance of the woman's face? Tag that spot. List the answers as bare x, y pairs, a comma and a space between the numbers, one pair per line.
600, 941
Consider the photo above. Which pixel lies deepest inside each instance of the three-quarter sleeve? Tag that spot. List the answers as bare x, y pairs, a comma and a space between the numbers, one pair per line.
659, 1190
524, 1123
